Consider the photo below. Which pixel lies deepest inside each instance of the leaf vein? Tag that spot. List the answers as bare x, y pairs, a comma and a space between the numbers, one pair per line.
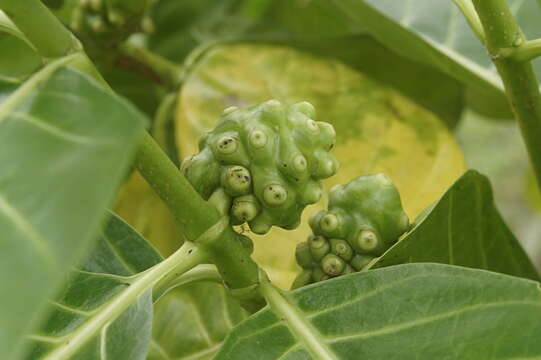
430, 319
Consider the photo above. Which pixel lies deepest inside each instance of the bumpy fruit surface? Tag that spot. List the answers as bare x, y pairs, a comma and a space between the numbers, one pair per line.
364, 218
269, 159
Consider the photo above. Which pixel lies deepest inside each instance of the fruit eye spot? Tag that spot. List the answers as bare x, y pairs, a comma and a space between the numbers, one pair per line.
244, 210
329, 223
227, 145
257, 139
237, 180
274, 195
367, 240
299, 163
312, 126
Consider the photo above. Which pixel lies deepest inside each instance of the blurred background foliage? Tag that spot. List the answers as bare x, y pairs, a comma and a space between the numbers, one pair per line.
185, 31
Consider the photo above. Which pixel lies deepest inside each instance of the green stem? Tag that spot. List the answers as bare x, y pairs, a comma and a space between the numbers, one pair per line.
203, 272
527, 51
41, 27
521, 86
185, 258
168, 73
468, 10
197, 217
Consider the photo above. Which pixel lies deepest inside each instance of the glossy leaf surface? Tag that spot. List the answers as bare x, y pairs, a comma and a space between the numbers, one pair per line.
66, 143
119, 253
463, 228
413, 311
436, 33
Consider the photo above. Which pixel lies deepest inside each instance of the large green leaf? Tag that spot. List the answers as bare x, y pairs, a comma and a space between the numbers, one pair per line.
66, 144
412, 311
464, 228
436, 33
119, 253
19, 57
192, 321
378, 129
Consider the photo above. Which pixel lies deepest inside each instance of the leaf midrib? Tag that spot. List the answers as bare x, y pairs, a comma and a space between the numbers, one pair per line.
472, 67
111, 310
296, 321
27, 87
429, 319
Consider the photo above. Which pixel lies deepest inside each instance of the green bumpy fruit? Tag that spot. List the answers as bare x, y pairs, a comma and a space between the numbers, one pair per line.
269, 159
363, 220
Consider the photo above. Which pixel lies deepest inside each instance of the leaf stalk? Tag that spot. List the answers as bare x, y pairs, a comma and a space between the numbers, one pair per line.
468, 10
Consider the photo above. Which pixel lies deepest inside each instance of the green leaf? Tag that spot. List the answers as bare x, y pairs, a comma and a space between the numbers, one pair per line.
436, 33
188, 323
464, 228
378, 129
119, 253
412, 311
19, 57
7, 86
533, 196
66, 144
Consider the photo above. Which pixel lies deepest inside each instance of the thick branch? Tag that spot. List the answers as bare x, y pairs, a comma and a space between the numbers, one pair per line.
196, 216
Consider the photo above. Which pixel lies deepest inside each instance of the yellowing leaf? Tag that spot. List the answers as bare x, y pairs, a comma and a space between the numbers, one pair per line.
378, 129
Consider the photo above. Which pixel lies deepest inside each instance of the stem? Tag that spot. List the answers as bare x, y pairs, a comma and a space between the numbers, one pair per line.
522, 89
296, 321
203, 272
197, 217
166, 71
468, 10
185, 258
529, 50
41, 27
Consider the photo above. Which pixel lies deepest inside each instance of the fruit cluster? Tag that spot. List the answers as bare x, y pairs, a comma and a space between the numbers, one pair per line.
265, 163
364, 218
